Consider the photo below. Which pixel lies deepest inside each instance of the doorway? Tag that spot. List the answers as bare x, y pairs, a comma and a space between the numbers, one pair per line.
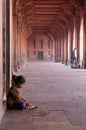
40, 55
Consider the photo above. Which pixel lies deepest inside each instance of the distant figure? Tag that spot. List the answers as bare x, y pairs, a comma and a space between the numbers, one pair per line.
75, 53
74, 56
14, 100
75, 62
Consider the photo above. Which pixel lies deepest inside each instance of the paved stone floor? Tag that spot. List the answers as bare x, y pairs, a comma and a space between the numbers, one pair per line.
60, 94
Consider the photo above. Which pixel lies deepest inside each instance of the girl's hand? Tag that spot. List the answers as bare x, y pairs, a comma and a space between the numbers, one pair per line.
28, 104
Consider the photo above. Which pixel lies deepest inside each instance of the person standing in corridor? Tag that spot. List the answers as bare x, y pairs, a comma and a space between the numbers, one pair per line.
75, 55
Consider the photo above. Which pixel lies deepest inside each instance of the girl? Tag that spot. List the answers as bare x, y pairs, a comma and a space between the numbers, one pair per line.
14, 100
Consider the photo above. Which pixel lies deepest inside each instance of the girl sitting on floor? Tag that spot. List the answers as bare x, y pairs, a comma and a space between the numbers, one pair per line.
14, 100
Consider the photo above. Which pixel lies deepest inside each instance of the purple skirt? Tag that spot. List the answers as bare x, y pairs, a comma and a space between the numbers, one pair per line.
19, 105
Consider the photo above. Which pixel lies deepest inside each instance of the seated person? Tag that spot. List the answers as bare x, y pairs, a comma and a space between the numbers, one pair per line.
14, 100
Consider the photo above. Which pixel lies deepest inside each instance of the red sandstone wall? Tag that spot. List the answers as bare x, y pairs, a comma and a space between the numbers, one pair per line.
46, 52
1, 64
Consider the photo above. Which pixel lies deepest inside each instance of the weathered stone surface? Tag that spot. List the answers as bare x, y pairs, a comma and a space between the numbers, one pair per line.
59, 93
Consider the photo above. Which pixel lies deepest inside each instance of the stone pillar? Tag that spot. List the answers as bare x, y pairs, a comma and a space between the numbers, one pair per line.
2, 110
18, 41
11, 40
53, 52
82, 42
78, 34
14, 30
65, 48
1, 52
69, 44
7, 44
74, 35
6, 47
62, 48
58, 48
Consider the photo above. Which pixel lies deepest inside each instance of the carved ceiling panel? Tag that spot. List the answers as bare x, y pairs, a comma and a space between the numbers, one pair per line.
46, 16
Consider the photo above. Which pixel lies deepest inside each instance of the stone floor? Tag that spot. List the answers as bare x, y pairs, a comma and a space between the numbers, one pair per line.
60, 94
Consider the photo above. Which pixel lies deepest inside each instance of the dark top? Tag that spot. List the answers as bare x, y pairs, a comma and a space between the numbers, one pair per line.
13, 96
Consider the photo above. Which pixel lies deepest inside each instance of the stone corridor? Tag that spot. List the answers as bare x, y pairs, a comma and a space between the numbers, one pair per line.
60, 94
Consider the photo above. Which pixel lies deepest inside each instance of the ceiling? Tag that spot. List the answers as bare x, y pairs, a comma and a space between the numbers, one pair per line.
49, 16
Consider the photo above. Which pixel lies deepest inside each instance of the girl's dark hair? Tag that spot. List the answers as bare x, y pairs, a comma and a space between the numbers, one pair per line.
17, 79
13, 79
